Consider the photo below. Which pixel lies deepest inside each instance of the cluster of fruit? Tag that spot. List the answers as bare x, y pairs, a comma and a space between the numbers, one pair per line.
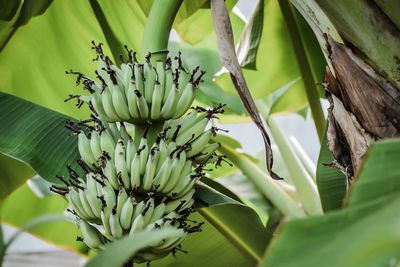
134, 182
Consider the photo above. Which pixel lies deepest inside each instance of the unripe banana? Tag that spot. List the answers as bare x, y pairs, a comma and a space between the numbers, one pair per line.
98, 106
137, 224
151, 166
169, 106
123, 132
130, 153
121, 199
120, 164
148, 211
195, 131
142, 105
85, 150
138, 70
110, 172
120, 103
169, 82
199, 143
107, 142
160, 70
95, 145
162, 176
76, 205
185, 101
116, 229
91, 235
144, 146
126, 214
133, 102
86, 205
106, 99
177, 165
158, 213
135, 171
156, 102
150, 78
175, 204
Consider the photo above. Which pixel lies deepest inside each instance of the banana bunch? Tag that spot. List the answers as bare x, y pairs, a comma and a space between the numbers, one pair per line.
140, 92
144, 179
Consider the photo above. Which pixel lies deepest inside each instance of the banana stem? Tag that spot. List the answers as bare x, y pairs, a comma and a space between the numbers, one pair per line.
158, 27
264, 183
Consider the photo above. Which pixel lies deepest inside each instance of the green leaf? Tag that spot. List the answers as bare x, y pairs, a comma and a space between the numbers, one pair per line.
13, 174
34, 62
251, 36
31, 8
121, 251
126, 21
379, 175
241, 226
36, 136
327, 237
199, 26
331, 181
8, 9
23, 205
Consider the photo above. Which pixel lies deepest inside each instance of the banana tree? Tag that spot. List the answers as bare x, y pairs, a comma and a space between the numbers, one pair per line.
134, 161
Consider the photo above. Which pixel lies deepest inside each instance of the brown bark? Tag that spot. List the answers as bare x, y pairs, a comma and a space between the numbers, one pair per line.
364, 107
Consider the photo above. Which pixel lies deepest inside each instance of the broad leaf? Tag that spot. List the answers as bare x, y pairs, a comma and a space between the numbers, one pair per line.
340, 238
37, 136
331, 181
13, 174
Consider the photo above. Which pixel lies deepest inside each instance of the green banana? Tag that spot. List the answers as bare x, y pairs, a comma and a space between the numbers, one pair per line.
199, 143
107, 142
106, 99
151, 166
169, 106
92, 237
135, 171
185, 101
126, 214
120, 103
156, 101
142, 105
110, 172
85, 150
132, 101
139, 78
162, 176
150, 78
177, 203
121, 199
85, 204
115, 226
148, 212
169, 82
95, 144
121, 165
